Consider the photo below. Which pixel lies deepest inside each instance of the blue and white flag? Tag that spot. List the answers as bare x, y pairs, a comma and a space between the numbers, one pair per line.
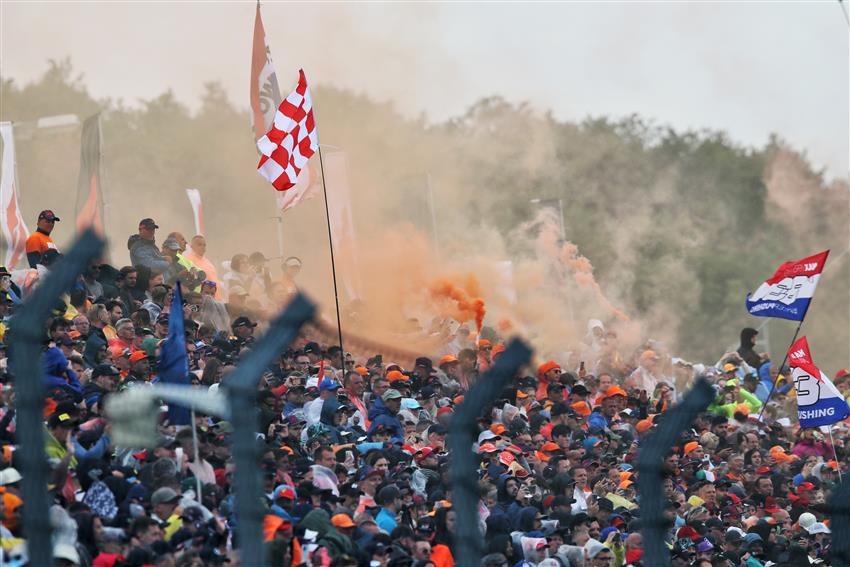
788, 293
818, 400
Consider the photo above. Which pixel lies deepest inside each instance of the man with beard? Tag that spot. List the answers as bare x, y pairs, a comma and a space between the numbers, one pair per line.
140, 368
104, 380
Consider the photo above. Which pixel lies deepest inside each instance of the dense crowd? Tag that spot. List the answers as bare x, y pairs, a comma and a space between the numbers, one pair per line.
355, 464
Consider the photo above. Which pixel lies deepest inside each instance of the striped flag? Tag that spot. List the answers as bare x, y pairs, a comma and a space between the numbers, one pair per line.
819, 402
788, 293
89, 191
291, 140
265, 94
14, 229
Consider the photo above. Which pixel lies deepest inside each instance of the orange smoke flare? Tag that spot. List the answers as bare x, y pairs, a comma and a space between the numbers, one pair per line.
458, 302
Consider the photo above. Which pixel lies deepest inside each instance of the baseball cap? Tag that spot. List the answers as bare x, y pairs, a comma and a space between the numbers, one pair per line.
343, 521
148, 223
48, 215
391, 394
818, 528
171, 244
327, 384
104, 370
283, 491
67, 552
244, 322
164, 494
138, 355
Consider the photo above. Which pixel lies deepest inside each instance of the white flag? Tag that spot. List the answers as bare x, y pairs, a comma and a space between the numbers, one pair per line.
14, 229
197, 210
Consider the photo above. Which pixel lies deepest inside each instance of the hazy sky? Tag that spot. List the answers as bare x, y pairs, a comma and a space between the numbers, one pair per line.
748, 68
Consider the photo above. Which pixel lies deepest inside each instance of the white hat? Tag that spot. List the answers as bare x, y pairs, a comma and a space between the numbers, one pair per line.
806, 519
818, 528
486, 435
66, 551
9, 476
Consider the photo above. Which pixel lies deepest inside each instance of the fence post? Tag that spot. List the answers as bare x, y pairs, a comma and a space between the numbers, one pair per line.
464, 471
650, 464
241, 387
26, 338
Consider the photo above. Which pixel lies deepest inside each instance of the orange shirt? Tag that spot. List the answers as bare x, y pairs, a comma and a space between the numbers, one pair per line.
39, 242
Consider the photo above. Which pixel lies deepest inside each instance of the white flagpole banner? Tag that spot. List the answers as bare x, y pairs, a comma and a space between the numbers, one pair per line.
15, 231
197, 209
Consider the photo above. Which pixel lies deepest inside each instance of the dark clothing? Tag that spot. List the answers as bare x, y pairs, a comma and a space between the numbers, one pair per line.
745, 350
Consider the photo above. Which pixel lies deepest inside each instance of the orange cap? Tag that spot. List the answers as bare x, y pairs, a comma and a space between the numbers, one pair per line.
542, 456
550, 447
743, 409
498, 428
271, 524
643, 425
547, 366
343, 521
521, 395
448, 359
138, 355
395, 376
581, 408
625, 484
484, 343
614, 391
689, 447
360, 370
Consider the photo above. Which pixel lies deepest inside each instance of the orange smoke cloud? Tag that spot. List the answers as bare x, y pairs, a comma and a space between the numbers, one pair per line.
458, 302
583, 275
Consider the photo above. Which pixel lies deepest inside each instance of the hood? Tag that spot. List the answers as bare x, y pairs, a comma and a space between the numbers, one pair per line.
746, 337
318, 521
502, 493
378, 408
132, 241
529, 548
53, 362
525, 519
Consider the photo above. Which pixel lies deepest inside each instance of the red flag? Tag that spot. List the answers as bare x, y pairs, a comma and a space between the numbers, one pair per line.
88, 184
291, 140
14, 229
265, 94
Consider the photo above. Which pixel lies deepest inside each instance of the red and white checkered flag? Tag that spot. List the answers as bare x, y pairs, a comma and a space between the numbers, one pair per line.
292, 139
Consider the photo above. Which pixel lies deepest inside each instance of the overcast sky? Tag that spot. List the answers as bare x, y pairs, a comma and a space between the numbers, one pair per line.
748, 68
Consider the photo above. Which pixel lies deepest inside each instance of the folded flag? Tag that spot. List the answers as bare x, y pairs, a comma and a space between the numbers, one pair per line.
789, 291
818, 400
292, 139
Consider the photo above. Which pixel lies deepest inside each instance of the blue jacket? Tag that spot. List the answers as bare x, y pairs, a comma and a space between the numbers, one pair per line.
381, 415
597, 420
56, 374
766, 383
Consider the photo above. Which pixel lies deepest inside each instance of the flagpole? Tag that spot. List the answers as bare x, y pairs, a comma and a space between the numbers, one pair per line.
333, 263
196, 457
784, 360
834, 453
